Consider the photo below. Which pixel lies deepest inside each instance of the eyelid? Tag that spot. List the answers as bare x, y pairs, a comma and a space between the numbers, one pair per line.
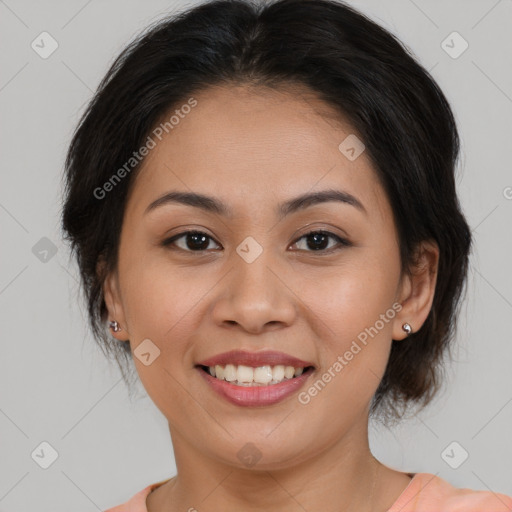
170, 241
342, 241
322, 227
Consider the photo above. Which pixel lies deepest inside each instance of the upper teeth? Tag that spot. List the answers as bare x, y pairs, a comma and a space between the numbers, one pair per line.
248, 376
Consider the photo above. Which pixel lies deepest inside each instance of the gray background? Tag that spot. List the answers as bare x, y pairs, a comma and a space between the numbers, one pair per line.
55, 384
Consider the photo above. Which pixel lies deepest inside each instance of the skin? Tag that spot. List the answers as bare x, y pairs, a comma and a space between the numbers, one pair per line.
253, 148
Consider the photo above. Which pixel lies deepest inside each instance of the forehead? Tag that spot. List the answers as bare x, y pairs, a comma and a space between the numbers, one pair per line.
252, 145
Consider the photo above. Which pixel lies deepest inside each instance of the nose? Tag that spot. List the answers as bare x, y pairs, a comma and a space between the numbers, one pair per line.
256, 296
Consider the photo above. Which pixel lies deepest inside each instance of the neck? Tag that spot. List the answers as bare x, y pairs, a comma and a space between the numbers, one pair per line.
342, 477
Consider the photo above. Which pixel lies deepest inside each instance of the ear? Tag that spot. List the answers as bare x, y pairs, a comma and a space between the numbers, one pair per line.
113, 302
416, 291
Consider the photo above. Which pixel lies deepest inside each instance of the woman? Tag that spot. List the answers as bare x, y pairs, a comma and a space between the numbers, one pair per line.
262, 202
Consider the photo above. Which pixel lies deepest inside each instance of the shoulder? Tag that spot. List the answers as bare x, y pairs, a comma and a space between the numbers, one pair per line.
428, 493
137, 503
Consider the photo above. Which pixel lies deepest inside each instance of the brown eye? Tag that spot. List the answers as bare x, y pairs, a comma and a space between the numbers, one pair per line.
195, 241
319, 241
198, 241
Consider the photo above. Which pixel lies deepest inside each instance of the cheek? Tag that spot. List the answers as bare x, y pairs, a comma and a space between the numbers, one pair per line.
353, 296
354, 308
355, 312
158, 298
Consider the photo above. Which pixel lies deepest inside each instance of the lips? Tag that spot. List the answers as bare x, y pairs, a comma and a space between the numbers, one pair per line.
255, 359
254, 393
255, 396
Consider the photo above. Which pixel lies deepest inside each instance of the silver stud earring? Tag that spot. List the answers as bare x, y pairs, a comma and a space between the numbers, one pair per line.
115, 326
407, 328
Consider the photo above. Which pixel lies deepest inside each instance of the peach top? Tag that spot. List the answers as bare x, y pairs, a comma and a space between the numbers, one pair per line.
425, 493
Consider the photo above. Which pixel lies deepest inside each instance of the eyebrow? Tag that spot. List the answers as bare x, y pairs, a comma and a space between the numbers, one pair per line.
213, 205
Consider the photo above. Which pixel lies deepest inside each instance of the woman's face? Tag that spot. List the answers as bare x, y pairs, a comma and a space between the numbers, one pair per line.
256, 282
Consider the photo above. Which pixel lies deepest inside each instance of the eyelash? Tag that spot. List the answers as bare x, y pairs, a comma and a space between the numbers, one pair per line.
341, 241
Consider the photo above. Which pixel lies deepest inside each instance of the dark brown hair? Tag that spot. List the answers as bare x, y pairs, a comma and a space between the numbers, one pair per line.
349, 62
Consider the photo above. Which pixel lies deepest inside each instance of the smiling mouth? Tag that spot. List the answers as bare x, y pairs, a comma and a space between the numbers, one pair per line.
247, 376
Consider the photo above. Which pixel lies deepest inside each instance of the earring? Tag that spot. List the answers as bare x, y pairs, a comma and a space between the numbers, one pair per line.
407, 328
115, 326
